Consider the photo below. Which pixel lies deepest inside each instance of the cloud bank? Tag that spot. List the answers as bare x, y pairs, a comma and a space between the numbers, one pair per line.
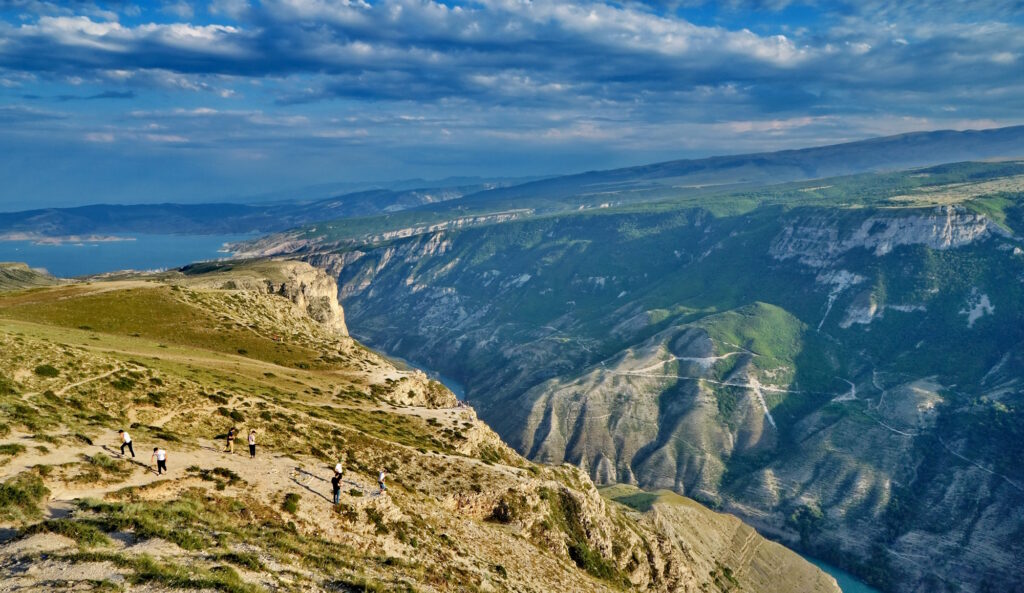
238, 96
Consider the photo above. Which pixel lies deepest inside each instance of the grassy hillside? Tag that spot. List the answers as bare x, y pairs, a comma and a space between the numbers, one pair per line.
179, 359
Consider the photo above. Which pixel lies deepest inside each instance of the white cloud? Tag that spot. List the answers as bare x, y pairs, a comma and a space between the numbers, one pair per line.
182, 10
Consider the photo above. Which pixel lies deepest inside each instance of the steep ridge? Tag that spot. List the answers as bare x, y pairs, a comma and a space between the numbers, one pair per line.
178, 358
794, 355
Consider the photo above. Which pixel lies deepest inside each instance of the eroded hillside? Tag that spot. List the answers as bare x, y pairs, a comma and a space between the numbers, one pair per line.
177, 359
837, 361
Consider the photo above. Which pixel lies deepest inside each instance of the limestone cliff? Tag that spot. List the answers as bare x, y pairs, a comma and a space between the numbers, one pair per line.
819, 240
313, 292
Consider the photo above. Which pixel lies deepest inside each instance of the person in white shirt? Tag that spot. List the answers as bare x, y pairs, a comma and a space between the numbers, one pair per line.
161, 460
252, 444
380, 481
126, 441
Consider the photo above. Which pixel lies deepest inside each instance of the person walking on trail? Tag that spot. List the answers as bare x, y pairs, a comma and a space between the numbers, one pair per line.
126, 441
336, 487
231, 441
380, 481
161, 459
252, 444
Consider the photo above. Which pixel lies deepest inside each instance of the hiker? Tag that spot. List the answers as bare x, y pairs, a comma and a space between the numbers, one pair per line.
231, 441
126, 441
380, 481
161, 459
336, 487
252, 444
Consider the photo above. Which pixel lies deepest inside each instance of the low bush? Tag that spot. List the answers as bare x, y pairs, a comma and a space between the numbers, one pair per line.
46, 370
85, 534
20, 497
291, 503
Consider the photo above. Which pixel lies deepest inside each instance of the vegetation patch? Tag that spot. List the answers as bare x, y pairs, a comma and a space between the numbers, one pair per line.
291, 503
85, 534
46, 370
20, 497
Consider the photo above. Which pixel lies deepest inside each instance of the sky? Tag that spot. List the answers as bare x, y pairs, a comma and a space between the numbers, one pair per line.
197, 100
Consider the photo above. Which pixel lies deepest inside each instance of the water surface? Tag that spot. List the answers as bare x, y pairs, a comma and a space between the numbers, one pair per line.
133, 252
847, 582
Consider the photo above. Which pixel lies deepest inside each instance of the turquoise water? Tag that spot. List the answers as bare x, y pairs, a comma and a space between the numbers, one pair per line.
141, 252
847, 582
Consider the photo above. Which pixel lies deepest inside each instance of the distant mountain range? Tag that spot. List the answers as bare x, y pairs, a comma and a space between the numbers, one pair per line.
694, 177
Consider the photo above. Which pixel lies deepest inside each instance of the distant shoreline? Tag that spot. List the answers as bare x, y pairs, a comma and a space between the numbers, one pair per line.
38, 239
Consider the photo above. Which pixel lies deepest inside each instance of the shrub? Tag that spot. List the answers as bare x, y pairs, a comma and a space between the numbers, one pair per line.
291, 503
123, 383
377, 519
12, 449
46, 370
7, 386
20, 497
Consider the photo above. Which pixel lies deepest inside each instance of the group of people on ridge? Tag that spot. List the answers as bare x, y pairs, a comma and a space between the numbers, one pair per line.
160, 456
232, 434
336, 482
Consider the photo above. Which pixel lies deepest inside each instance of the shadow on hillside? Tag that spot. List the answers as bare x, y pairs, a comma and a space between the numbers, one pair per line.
307, 486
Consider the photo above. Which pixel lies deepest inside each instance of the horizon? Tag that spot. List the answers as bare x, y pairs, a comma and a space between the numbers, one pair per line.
197, 101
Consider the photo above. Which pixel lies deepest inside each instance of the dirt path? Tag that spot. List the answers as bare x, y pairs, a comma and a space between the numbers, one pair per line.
66, 388
269, 473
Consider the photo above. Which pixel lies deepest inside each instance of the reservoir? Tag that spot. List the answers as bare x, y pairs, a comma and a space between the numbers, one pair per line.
847, 582
120, 252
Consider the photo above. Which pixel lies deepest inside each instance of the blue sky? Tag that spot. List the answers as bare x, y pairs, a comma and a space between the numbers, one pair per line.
184, 100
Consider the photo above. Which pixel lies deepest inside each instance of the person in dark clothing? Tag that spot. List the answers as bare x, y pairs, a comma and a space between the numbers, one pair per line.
336, 487
126, 441
231, 441
161, 460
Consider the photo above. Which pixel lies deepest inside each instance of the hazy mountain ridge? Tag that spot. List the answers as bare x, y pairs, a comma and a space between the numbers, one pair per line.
426, 205
222, 218
647, 343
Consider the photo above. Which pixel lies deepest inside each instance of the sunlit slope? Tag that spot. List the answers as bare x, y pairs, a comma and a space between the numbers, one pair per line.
463, 513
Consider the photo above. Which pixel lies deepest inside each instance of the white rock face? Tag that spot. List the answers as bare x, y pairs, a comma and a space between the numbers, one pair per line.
309, 288
865, 309
818, 242
978, 305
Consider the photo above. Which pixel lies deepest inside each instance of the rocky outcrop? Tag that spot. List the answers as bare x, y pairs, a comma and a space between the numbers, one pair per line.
819, 240
671, 545
16, 276
311, 290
